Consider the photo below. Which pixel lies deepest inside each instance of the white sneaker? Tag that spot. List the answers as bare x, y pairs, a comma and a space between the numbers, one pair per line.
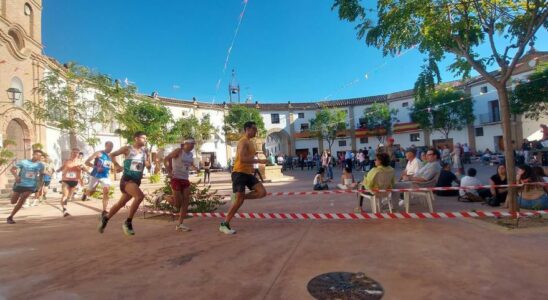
401, 203
182, 227
34, 203
26, 205
225, 228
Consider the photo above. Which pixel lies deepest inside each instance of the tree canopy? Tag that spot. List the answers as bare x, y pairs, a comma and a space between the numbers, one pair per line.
379, 119
152, 118
237, 116
327, 123
444, 110
192, 127
530, 97
75, 97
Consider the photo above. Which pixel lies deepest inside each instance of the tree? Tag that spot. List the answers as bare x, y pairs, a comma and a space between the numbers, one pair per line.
199, 130
6, 156
379, 118
75, 99
152, 118
236, 118
530, 97
443, 110
458, 27
327, 123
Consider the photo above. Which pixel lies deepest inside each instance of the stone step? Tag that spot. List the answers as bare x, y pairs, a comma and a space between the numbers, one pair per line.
4, 192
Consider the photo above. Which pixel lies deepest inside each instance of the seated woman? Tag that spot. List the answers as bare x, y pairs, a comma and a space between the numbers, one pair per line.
499, 194
319, 182
372, 179
446, 179
533, 194
347, 180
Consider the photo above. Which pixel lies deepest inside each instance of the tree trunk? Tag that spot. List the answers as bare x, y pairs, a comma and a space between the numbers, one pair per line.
507, 141
73, 140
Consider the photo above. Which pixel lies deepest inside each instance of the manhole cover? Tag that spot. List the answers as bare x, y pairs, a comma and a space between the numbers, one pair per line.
344, 285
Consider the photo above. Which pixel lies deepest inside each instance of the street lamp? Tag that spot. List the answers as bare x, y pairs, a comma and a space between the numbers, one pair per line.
14, 94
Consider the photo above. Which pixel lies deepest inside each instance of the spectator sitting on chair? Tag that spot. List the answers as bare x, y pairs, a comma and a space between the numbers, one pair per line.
382, 165
413, 163
319, 182
499, 179
533, 196
471, 180
446, 179
427, 173
347, 180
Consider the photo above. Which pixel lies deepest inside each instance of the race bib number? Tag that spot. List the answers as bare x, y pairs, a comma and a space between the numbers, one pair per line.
106, 164
30, 175
186, 167
71, 175
136, 165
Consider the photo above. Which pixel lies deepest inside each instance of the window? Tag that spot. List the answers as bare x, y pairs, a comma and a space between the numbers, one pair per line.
364, 140
494, 111
16, 36
479, 131
301, 115
304, 126
405, 104
483, 90
415, 137
342, 143
275, 118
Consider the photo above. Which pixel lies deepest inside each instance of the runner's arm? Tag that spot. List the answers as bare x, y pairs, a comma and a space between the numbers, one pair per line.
167, 161
13, 171
118, 152
62, 167
94, 156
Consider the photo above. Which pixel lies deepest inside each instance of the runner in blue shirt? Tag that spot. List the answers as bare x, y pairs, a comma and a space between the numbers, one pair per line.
100, 174
26, 181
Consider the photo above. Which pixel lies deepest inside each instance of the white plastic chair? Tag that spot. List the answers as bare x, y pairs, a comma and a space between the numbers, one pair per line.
384, 181
428, 195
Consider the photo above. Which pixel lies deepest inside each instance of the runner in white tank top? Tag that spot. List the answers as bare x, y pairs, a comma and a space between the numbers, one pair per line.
178, 164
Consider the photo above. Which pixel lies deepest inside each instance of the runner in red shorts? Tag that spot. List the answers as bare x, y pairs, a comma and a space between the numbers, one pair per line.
178, 164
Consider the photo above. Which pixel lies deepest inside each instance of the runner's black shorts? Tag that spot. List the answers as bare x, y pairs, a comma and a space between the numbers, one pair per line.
241, 180
70, 183
124, 181
23, 189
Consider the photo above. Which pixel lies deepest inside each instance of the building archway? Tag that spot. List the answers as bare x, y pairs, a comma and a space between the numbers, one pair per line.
18, 132
16, 125
277, 142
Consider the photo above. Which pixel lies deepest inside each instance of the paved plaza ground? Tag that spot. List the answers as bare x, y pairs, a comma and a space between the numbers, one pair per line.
45, 256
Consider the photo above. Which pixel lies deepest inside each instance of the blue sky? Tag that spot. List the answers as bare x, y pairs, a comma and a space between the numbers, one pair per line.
285, 50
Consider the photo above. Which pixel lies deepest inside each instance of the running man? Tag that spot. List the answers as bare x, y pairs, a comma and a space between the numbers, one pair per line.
100, 174
71, 176
242, 175
26, 181
136, 159
49, 169
178, 164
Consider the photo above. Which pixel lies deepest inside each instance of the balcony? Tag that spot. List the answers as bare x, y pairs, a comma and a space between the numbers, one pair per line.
488, 118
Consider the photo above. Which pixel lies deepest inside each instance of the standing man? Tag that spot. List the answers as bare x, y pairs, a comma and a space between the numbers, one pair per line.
178, 164
207, 171
136, 159
242, 175
100, 174
71, 176
466, 150
26, 181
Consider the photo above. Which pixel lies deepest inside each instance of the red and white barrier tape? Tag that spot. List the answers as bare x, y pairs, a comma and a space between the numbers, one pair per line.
415, 189
357, 216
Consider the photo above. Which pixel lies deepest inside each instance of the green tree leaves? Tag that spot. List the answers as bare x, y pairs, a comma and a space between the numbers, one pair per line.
327, 123
379, 118
531, 98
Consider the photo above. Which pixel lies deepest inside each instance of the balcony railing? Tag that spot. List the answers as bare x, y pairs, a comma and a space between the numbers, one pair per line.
488, 118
